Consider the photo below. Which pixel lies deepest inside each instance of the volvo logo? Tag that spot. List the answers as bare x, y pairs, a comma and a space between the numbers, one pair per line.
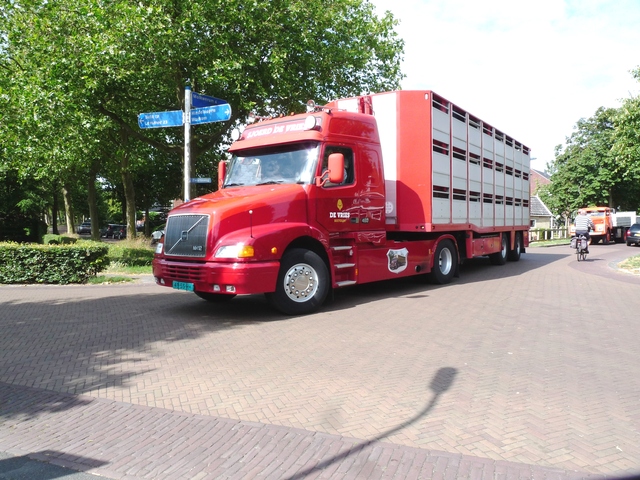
184, 235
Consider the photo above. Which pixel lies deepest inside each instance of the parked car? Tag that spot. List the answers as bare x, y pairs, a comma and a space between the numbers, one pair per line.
85, 228
120, 233
111, 229
157, 234
633, 235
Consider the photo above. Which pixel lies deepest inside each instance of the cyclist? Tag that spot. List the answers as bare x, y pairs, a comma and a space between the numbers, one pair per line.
583, 225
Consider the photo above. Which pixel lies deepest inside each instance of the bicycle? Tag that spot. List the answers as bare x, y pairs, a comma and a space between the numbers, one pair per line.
581, 246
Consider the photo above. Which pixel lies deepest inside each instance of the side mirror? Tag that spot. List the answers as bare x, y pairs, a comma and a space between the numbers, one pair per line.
335, 171
222, 173
336, 168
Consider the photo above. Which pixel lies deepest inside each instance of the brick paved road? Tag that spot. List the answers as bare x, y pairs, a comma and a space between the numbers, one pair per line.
498, 375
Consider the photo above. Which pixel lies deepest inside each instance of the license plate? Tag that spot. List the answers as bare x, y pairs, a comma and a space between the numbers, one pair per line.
183, 286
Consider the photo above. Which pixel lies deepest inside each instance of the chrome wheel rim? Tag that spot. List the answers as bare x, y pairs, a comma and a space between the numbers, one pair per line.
445, 261
301, 283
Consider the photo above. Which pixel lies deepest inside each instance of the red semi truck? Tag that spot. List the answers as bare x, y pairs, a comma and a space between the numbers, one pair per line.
360, 190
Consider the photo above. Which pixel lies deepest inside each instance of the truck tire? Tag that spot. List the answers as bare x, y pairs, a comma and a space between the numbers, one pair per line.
303, 283
445, 262
514, 255
215, 297
500, 258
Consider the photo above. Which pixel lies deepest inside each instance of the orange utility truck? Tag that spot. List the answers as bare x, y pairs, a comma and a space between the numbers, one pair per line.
360, 190
609, 225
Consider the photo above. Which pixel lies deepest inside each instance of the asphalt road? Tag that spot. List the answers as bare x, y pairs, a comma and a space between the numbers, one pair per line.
527, 370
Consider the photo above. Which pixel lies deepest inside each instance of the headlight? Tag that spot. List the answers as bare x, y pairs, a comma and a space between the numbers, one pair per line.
159, 246
235, 251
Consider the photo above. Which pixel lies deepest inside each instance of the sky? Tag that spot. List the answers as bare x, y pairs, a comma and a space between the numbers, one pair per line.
531, 69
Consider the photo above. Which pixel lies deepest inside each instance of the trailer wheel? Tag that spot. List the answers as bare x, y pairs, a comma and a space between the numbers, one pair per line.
444, 263
500, 258
215, 297
303, 283
514, 255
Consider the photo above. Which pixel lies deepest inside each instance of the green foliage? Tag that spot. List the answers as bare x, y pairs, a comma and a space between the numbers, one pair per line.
626, 147
60, 264
20, 208
130, 256
51, 239
76, 74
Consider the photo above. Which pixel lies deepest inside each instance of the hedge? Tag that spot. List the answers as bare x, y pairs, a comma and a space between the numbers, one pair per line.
51, 238
60, 264
130, 256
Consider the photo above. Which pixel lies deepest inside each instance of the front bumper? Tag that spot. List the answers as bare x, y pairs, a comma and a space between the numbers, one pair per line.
218, 277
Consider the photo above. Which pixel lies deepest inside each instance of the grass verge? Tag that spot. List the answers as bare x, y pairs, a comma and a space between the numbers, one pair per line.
631, 265
119, 271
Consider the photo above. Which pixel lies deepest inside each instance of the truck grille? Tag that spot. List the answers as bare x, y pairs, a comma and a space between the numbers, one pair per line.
186, 236
186, 273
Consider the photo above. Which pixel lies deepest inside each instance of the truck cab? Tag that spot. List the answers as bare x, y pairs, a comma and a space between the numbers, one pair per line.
602, 218
303, 188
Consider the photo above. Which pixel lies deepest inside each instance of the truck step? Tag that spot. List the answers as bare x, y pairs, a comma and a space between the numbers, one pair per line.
346, 283
341, 247
345, 265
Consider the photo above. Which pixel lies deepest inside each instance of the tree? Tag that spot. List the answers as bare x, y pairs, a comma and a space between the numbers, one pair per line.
96, 65
585, 171
626, 148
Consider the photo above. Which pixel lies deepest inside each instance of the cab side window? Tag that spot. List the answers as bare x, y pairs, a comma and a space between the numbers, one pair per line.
348, 164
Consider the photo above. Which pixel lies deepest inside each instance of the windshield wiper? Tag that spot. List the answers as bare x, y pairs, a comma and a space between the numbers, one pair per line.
271, 182
234, 185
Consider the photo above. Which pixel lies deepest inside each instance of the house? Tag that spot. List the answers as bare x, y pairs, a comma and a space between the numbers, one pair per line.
536, 179
541, 217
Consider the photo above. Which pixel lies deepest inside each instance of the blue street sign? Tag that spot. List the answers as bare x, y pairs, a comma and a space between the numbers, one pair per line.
215, 113
160, 119
201, 180
200, 100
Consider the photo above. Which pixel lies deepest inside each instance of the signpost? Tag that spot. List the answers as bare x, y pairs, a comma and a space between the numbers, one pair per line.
160, 119
216, 113
200, 100
209, 110
201, 180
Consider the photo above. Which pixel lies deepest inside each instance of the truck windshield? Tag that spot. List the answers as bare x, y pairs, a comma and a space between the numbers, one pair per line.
294, 163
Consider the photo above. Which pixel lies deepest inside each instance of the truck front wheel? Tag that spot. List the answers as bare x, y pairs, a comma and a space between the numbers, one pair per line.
444, 263
303, 283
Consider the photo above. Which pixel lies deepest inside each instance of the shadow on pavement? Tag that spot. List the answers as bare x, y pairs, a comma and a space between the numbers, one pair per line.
66, 339
441, 383
36, 466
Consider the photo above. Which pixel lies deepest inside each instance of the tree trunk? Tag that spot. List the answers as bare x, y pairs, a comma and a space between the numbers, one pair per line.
92, 198
147, 224
54, 213
129, 190
68, 210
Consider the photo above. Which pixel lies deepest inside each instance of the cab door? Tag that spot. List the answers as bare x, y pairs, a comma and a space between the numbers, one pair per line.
338, 208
